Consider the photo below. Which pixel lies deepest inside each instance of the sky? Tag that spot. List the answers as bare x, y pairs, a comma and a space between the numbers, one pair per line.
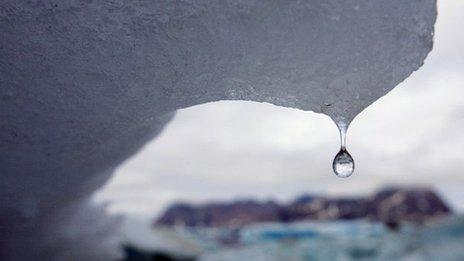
235, 150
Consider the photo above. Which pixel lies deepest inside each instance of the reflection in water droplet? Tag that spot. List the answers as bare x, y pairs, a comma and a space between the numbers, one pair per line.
343, 163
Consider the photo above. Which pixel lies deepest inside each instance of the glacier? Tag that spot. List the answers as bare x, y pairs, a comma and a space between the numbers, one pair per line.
84, 84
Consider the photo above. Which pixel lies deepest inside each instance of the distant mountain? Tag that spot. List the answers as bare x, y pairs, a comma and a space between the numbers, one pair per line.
234, 214
390, 205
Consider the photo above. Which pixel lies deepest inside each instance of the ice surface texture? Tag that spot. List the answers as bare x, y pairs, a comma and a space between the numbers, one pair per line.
84, 84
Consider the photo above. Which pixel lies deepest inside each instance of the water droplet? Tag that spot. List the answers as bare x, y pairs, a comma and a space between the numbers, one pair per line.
343, 163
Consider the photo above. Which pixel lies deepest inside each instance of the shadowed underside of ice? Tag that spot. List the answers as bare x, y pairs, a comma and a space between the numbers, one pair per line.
84, 84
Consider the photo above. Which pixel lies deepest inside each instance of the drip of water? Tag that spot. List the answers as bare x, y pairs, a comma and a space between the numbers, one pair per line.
343, 163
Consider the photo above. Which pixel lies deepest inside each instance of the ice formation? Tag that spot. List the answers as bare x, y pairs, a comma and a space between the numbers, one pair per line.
84, 84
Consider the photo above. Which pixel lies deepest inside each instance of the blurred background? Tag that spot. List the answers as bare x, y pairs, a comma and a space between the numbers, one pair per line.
245, 155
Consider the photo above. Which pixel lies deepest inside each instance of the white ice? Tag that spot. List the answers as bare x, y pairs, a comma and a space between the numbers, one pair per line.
84, 84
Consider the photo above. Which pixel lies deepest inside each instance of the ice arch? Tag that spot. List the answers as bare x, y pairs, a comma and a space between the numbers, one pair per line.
85, 83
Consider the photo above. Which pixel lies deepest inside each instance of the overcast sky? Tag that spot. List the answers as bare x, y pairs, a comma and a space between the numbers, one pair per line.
226, 150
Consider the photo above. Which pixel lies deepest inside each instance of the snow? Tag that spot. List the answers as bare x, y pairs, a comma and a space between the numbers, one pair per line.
84, 84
